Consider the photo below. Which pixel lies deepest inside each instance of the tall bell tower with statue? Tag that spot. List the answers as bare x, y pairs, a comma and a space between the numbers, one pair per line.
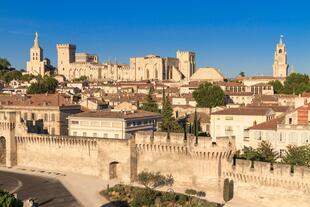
280, 66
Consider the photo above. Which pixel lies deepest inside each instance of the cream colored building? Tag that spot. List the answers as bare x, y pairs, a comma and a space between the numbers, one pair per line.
292, 128
42, 113
37, 65
111, 124
280, 65
234, 121
74, 65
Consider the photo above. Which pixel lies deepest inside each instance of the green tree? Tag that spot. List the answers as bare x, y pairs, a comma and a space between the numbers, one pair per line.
82, 78
149, 103
296, 83
153, 180
169, 123
8, 200
242, 74
27, 77
12, 75
277, 86
248, 153
4, 64
45, 85
208, 95
266, 152
297, 155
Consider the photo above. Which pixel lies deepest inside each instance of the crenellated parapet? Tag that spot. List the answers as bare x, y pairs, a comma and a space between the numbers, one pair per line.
267, 174
64, 141
7, 120
175, 143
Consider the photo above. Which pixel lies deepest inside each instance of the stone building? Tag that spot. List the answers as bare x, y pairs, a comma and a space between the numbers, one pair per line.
112, 124
42, 113
280, 65
37, 65
74, 65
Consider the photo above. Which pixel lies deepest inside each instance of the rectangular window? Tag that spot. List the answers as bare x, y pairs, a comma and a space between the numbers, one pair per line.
74, 133
229, 118
25, 116
53, 117
94, 134
74, 122
84, 134
105, 135
45, 117
33, 116
116, 136
53, 131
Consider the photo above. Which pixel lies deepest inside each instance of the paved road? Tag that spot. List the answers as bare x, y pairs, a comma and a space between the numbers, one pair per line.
46, 191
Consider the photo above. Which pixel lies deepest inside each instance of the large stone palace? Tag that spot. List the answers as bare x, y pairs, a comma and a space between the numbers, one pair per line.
73, 65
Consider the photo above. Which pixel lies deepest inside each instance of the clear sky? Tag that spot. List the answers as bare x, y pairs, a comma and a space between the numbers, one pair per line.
232, 35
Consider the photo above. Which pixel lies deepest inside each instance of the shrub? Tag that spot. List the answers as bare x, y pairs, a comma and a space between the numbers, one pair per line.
190, 191
9, 200
201, 194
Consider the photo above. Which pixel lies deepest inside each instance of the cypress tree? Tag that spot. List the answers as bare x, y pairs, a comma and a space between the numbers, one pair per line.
149, 103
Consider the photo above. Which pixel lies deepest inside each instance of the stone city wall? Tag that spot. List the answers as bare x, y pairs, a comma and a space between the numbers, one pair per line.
188, 163
265, 174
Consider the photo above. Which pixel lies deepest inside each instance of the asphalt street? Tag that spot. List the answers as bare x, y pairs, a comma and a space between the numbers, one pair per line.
45, 191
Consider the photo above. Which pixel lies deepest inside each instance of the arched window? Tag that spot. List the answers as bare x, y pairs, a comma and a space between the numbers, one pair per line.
156, 73
147, 74
280, 51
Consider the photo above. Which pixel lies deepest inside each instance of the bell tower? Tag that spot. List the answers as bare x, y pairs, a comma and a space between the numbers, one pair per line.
36, 65
280, 66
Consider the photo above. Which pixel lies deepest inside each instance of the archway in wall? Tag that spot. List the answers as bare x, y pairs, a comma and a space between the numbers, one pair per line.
2, 151
113, 170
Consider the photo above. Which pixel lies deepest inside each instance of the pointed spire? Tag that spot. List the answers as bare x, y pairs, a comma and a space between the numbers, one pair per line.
281, 37
36, 41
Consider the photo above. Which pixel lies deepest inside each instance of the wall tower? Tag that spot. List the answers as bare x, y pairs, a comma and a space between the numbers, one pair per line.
187, 63
7, 130
66, 55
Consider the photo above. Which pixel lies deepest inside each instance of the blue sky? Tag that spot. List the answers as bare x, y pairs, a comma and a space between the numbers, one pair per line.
232, 35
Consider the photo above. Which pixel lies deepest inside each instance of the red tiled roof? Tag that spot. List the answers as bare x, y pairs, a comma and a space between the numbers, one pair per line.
249, 111
269, 125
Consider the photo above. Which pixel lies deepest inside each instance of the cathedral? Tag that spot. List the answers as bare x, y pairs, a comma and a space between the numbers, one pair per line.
37, 65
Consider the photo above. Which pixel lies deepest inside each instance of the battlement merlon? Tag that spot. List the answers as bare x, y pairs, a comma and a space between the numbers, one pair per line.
65, 45
177, 139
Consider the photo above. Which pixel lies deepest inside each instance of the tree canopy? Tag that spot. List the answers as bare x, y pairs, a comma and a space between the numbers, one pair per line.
295, 83
297, 155
4, 64
45, 85
154, 180
264, 152
208, 95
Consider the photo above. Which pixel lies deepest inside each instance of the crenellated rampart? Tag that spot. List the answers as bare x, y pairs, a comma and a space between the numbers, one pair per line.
267, 174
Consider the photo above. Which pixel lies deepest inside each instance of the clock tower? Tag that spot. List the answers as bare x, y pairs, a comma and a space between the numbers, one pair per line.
280, 66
